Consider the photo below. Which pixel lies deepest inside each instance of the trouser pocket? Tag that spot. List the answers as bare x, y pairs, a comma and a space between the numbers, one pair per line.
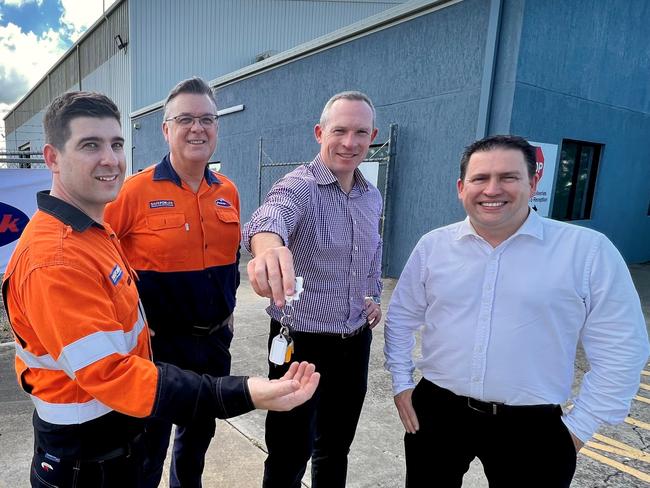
51, 472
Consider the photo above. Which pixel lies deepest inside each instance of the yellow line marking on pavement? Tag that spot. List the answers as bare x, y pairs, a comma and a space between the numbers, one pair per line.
642, 399
637, 423
615, 464
631, 453
643, 386
615, 443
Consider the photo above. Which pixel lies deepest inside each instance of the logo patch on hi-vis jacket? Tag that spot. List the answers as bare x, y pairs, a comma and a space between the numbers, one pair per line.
221, 202
116, 274
161, 203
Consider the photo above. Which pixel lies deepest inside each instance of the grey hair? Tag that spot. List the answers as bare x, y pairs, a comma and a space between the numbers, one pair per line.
347, 95
193, 85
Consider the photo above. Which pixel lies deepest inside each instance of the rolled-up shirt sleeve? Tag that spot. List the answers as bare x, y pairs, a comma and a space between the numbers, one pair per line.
282, 209
615, 341
406, 313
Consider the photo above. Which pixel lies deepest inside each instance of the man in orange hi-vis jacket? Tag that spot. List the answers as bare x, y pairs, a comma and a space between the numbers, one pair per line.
178, 223
82, 341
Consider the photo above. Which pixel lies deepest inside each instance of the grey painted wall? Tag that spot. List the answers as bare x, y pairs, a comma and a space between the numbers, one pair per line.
598, 91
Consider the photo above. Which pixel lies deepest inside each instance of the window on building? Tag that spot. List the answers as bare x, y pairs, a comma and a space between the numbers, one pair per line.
576, 180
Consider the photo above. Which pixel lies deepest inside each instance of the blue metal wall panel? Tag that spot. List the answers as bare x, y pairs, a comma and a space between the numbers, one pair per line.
583, 74
423, 75
173, 40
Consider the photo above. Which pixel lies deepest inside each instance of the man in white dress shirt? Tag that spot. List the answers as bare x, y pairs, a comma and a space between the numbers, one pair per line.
505, 296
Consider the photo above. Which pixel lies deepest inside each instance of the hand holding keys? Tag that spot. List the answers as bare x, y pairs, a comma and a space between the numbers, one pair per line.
282, 344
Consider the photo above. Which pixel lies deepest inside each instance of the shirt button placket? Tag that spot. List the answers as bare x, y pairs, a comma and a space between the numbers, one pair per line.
483, 328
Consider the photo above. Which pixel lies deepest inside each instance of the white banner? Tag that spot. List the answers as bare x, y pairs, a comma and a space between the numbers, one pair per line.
18, 189
546, 164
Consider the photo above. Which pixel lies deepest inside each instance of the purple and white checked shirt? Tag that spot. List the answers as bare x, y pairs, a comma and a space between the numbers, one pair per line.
334, 238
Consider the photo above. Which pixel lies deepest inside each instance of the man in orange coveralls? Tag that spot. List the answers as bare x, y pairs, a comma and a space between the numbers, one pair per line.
178, 224
82, 341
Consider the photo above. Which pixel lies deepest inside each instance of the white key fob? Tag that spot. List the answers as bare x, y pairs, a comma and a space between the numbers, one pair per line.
278, 349
298, 289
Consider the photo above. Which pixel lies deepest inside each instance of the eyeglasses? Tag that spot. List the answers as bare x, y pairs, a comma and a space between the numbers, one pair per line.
188, 120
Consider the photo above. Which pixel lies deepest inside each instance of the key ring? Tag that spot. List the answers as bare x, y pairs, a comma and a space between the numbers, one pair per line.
286, 321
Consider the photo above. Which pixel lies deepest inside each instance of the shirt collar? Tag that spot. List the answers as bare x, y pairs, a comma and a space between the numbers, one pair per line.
324, 175
532, 226
63, 211
165, 171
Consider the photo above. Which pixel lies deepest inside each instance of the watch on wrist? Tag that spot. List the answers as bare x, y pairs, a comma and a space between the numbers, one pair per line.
374, 298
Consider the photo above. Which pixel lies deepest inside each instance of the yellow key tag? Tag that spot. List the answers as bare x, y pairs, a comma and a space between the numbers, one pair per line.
278, 350
289, 353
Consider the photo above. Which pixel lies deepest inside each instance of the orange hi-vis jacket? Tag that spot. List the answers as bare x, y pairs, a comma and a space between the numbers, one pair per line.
82, 343
81, 338
183, 245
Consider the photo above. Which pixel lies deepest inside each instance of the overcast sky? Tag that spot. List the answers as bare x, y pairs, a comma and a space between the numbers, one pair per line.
33, 36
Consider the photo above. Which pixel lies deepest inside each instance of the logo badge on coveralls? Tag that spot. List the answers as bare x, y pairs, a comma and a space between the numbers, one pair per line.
116, 274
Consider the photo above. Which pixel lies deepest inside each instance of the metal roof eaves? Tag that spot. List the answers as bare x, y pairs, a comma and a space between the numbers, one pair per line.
385, 19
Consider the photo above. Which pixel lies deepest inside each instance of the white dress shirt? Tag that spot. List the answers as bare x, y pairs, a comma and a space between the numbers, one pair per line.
502, 324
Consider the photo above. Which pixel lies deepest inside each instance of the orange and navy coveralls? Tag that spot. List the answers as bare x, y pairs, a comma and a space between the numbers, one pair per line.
83, 347
184, 247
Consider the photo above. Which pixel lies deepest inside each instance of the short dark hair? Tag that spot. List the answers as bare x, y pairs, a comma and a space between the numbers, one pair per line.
71, 105
194, 85
501, 142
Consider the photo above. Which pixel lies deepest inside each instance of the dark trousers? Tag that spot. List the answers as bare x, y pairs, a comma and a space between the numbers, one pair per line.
204, 355
520, 447
122, 470
323, 428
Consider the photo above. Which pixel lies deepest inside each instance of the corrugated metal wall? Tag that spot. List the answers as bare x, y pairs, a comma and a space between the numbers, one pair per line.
66, 75
174, 40
112, 78
31, 130
100, 45
108, 70
170, 40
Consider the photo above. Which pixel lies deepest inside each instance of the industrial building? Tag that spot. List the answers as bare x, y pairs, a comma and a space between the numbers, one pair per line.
571, 77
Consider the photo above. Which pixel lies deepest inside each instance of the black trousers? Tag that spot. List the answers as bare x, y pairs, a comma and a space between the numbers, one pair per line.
323, 428
204, 355
528, 447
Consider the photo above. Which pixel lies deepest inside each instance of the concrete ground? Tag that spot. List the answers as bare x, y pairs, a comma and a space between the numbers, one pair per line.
236, 456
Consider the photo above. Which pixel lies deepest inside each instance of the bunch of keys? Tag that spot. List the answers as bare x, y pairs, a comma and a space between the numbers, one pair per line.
281, 347
282, 344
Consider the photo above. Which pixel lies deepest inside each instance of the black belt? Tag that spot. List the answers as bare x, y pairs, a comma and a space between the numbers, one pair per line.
206, 330
342, 335
496, 408
346, 335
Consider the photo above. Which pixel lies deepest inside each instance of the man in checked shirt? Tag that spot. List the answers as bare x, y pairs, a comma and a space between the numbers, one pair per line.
321, 222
